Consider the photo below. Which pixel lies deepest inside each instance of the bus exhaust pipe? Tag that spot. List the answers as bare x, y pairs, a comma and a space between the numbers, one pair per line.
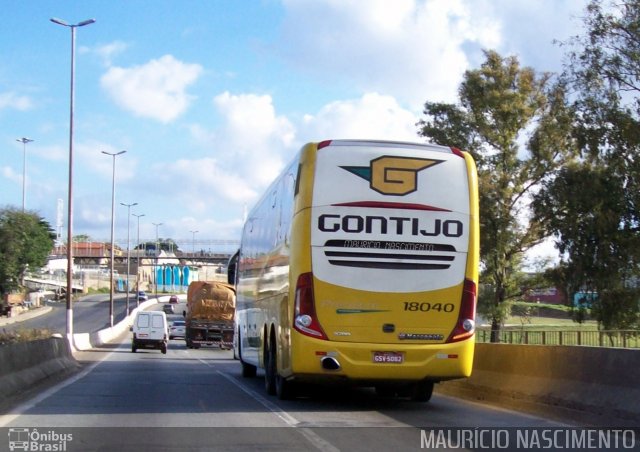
329, 363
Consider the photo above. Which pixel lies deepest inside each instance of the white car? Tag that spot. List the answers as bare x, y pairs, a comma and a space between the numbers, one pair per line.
176, 329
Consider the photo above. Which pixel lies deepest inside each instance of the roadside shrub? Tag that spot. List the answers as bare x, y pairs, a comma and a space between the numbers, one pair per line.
24, 335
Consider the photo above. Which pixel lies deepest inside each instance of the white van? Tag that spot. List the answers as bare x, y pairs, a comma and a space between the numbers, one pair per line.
150, 330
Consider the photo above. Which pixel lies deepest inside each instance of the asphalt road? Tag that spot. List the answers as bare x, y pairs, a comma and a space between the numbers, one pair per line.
197, 400
90, 314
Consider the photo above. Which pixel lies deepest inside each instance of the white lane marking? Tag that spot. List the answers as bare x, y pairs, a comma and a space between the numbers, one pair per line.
318, 442
29, 404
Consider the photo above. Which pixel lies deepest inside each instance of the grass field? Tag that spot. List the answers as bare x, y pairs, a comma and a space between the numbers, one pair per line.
555, 327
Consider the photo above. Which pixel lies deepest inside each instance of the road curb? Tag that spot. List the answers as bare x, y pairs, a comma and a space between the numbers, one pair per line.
25, 316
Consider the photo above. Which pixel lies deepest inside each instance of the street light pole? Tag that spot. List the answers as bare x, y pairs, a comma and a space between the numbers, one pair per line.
24, 142
193, 242
155, 270
138, 266
113, 209
128, 206
70, 191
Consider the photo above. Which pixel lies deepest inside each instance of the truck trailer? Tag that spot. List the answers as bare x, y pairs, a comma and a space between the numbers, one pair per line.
210, 314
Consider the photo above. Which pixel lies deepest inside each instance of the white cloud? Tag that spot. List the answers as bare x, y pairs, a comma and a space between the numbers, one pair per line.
204, 181
254, 143
89, 155
15, 101
108, 51
155, 90
54, 153
10, 174
411, 49
532, 27
254, 136
373, 116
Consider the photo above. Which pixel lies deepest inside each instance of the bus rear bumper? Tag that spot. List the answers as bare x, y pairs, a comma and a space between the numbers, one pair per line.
318, 360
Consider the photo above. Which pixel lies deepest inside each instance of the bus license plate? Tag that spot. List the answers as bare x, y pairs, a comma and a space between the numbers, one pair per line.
388, 357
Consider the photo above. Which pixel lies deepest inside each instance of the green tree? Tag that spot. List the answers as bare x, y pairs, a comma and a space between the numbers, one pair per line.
26, 240
593, 206
516, 124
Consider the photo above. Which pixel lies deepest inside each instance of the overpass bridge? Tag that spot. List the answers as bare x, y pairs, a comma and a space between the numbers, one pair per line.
148, 260
92, 261
187, 251
51, 284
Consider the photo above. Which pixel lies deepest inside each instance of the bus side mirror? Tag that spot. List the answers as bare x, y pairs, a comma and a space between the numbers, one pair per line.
232, 268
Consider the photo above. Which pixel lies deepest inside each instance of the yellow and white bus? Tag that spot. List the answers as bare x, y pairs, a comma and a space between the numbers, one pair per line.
360, 264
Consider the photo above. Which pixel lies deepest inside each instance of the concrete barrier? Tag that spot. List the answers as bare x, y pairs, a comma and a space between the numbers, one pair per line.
27, 363
593, 384
87, 341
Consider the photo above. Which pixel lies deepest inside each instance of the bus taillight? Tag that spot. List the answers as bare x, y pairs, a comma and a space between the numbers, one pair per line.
305, 320
466, 324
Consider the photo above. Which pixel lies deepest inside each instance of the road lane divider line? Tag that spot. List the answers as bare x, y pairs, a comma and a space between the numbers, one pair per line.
317, 441
22, 408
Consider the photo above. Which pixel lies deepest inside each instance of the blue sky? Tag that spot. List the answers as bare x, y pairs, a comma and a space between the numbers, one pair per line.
210, 99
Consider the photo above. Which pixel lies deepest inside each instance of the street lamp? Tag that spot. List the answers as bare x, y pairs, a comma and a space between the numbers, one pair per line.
113, 208
70, 191
128, 206
155, 270
193, 242
24, 142
138, 266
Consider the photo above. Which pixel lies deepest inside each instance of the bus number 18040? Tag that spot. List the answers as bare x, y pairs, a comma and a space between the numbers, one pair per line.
415, 306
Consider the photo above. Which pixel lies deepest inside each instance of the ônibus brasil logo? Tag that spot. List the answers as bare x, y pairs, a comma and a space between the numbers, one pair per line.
30, 439
392, 175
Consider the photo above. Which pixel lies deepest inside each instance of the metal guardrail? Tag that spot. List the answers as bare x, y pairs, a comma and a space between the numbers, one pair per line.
615, 338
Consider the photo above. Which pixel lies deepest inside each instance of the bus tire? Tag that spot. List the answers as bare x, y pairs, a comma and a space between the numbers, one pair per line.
285, 390
236, 345
270, 368
248, 370
385, 391
422, 391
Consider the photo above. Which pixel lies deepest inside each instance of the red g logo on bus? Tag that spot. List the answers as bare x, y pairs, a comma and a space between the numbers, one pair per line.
389, 175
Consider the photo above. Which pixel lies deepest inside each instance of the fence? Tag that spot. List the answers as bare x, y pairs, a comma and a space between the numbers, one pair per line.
617, 338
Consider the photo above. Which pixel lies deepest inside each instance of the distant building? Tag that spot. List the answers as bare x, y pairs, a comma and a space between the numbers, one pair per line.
551, 295
90, 249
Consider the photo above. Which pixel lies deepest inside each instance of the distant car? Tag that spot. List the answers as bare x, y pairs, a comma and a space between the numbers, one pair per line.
173, 299
142, 296
177, 329
167, 309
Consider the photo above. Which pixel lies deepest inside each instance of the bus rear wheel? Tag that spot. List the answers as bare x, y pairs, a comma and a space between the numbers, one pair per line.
270, 369
285, 390
421, 391
385, 391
